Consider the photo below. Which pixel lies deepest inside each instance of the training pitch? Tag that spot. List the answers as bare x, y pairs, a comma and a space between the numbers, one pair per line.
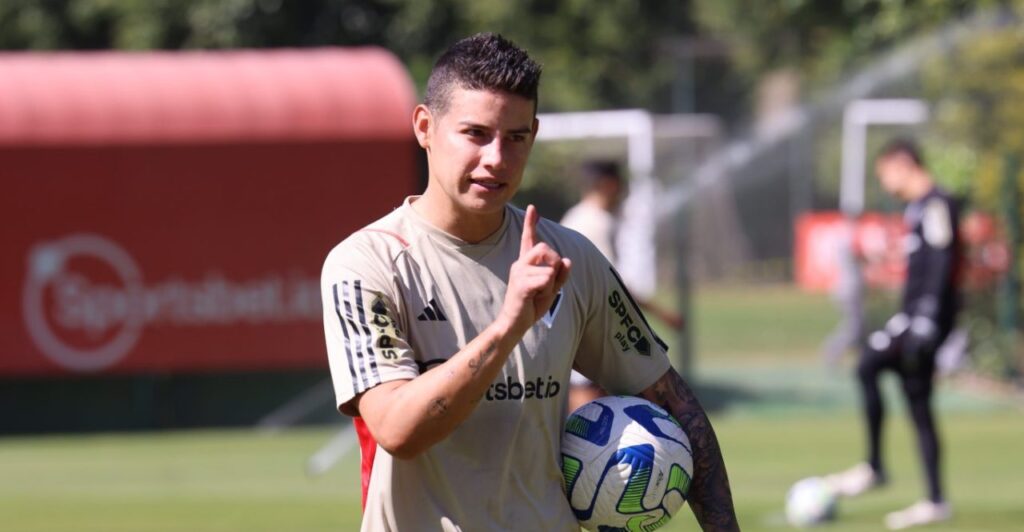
779, 416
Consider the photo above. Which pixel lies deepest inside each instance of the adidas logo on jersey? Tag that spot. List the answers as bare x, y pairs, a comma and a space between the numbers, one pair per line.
432, 312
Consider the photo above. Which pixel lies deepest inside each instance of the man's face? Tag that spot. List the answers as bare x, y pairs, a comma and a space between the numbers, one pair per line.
477, 149
611, 190
894, 171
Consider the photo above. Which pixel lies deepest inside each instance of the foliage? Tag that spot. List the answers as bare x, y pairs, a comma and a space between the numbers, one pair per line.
596, 54
822, 39
620, 53
975, 89
978, 92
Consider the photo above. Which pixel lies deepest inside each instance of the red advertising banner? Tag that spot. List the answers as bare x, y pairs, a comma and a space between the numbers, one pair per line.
179, 258
875, 242
139, 251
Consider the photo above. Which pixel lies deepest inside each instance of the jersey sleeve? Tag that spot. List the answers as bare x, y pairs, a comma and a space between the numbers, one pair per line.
618, 348
938, 227
366, 341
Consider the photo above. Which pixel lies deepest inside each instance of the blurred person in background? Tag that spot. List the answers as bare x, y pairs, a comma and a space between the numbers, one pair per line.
908, 343
595, 216
848, 295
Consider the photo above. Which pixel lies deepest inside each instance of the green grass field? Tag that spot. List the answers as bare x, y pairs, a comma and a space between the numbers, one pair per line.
778, 415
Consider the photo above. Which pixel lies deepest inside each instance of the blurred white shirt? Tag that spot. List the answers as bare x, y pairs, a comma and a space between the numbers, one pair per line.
595, 223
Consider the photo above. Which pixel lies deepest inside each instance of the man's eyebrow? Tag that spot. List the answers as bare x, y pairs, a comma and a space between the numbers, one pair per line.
517, 131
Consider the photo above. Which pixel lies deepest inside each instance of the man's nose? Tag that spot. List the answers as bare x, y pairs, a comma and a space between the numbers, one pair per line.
494, 154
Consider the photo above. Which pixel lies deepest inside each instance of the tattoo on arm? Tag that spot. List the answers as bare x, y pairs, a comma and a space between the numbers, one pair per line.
710, 496
475, 364
438, 407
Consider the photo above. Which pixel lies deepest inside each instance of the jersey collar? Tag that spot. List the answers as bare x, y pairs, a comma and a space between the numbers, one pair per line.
453, 241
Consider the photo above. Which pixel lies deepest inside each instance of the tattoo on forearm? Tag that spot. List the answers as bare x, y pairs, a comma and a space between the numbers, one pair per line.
475, 364
710, 496
438, 407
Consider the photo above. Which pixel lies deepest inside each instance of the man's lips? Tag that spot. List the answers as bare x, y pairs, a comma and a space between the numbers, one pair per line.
489, 184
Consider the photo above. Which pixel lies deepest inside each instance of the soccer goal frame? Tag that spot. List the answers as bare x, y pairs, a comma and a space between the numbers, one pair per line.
642, 210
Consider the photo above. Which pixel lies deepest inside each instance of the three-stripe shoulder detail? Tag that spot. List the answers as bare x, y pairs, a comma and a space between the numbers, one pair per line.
358, 340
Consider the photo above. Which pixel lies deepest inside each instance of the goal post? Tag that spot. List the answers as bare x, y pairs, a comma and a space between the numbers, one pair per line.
658, 151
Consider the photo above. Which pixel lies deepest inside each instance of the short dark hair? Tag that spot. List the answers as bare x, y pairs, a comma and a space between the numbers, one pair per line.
902, 146
596, 170
485, 61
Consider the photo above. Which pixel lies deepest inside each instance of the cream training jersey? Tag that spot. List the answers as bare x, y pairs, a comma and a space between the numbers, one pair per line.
401, 296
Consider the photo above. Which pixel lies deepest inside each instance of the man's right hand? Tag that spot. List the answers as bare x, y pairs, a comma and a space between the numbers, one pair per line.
407, 417
534, 278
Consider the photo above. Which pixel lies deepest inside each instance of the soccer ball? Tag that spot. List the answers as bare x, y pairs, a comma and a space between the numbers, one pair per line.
810, 501
626, 464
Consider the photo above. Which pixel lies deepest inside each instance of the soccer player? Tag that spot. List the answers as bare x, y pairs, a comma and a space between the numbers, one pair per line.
595, 217
908, 343
453, 322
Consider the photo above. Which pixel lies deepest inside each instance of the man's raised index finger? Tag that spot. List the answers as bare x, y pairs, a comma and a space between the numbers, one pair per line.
529, 230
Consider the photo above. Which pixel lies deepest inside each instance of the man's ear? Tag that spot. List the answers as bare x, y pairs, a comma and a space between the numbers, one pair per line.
422, 122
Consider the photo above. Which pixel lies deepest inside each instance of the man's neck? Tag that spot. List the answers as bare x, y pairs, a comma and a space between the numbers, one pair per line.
597, 200
469, 227
919, 187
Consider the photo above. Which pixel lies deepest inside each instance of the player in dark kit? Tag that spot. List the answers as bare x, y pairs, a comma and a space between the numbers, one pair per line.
908, 343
